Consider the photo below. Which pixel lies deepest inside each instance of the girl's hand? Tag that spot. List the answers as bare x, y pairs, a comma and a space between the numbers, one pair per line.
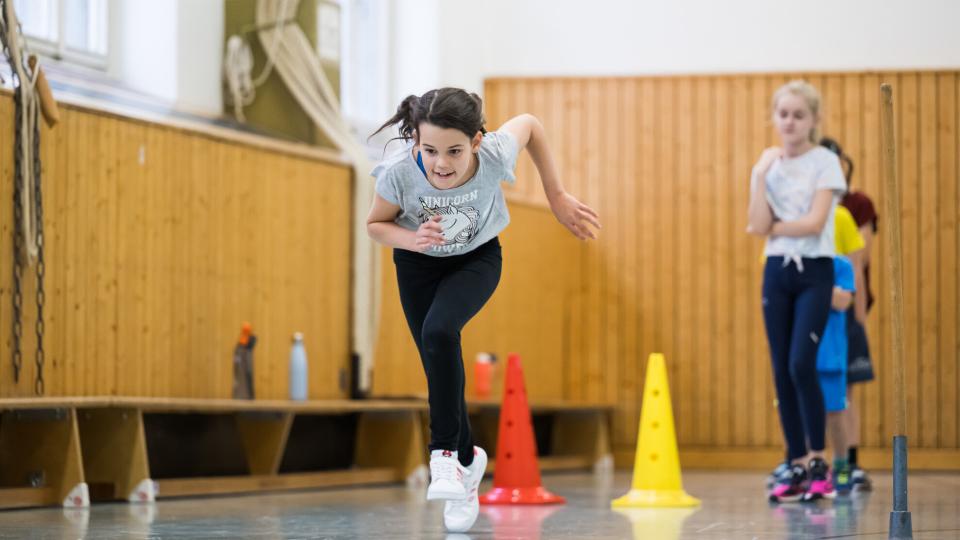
766, 160
574, 215
429, 234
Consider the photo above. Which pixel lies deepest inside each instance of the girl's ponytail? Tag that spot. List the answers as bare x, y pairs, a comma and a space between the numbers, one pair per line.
479, 103
404, 116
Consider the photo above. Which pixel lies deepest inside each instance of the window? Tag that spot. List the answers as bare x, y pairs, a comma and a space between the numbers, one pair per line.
74, 31
364, 67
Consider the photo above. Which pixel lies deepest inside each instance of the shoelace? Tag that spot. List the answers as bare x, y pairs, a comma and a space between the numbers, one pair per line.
446, 468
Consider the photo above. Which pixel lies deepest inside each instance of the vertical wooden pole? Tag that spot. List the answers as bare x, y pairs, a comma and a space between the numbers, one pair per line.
900, 522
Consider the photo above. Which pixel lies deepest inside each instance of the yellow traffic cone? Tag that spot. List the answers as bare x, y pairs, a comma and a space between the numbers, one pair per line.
656, 472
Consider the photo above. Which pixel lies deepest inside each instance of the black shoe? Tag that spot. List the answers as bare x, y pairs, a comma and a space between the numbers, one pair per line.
790, 486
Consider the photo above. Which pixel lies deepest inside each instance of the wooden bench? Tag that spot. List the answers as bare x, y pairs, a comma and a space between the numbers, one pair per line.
570, 436
69, 450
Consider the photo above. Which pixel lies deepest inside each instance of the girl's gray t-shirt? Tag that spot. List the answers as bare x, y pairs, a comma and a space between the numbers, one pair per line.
471, 214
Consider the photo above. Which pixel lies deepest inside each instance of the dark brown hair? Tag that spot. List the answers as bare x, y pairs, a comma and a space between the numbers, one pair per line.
451, 108
834, 146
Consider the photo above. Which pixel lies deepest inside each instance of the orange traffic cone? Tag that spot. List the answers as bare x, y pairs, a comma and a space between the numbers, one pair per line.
516, 475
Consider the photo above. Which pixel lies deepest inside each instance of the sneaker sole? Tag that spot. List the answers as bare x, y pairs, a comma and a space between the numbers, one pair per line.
787, 499
461, 527
817, 496
439, 495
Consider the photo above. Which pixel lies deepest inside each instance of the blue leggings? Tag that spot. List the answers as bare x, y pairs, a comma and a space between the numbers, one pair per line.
795, 308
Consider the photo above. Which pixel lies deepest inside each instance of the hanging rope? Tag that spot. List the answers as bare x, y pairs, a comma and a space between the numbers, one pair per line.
25, 82
237, 66
238, 69
27, 199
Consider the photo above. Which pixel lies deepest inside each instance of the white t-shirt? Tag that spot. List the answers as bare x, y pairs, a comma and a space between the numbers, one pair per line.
791, 185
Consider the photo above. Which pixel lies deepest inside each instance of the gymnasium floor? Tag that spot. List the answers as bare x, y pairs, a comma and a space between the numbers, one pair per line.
733, 507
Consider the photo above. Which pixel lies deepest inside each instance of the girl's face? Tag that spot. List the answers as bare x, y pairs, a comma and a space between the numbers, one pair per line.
793, 119
448, 154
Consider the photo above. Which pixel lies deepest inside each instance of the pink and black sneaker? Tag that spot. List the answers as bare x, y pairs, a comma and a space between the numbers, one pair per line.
790, 485
821, 484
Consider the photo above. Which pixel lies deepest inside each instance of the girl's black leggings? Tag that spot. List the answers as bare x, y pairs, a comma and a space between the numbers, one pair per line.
439, 295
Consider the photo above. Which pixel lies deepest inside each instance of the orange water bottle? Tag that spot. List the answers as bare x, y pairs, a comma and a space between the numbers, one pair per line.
483, 374
243, 364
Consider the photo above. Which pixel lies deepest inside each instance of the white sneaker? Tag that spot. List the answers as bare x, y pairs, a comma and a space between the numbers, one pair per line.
459, 516
446, 476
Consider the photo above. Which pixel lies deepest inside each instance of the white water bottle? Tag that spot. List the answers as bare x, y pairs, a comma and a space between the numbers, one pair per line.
298, 369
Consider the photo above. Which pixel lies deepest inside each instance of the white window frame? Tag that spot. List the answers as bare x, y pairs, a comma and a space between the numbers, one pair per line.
58, 50
366, 84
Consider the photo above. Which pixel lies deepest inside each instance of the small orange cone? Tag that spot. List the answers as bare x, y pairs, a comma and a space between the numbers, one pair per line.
656, 473
516, 474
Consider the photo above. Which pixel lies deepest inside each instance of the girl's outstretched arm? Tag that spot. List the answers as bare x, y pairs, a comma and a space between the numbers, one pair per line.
573, 214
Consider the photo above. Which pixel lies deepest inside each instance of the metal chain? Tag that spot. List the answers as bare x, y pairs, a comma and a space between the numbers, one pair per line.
18, 247
20, 258
38, 215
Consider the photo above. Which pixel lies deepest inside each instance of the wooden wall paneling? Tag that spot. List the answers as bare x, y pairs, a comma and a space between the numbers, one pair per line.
727, 187
6, 246
667, 282
908, 160
596, 134
576, 151
748, 136
927, 257
680, 216
706, 201
867, 179
130, 197
85, 193
107, 299
650, 263
141, 258
77, 302
56, 183
946, 268
628, 353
